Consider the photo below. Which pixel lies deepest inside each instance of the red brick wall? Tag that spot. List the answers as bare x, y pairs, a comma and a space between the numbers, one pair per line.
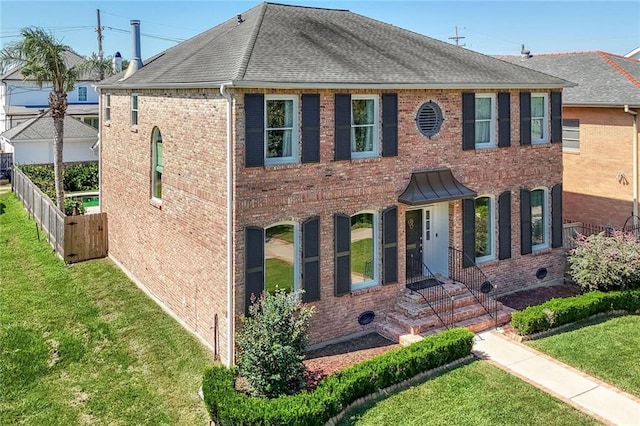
266, 195
178, 249
592, 191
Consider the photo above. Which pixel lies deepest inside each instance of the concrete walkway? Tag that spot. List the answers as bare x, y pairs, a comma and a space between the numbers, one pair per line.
586, 393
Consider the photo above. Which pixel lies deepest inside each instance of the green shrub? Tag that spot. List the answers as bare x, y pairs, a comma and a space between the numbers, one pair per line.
76, 177
229, 407
271, 344
601, 262
557, 312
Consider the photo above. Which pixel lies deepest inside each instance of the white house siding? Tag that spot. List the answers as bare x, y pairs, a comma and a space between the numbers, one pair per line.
41, 152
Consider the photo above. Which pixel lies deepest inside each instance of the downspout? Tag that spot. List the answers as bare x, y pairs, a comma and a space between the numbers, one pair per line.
635, 166
230, 310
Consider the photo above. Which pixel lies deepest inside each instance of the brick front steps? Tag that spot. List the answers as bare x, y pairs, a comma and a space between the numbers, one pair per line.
413, 318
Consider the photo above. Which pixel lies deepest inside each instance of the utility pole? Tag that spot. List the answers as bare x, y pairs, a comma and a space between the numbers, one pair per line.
457, 38
100, 53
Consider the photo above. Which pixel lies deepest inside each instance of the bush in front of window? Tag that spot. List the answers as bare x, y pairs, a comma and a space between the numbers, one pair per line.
271, 344
603, 262
557, 312
227, 406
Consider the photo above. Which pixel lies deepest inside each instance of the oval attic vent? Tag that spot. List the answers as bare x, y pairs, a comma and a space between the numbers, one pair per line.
429, 119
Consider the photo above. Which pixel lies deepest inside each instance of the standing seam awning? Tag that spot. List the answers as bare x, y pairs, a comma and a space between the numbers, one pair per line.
434, 186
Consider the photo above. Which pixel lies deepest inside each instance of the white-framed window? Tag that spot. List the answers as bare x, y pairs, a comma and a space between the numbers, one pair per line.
92, 121
134, 109
107, 107
540, 118
365, 121
364, 250
82, 94
281, 129
539, 219
571, 134
485, 119
282, 257
156, 164
485, 228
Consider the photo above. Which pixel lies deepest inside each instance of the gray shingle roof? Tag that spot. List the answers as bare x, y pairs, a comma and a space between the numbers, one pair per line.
280, 44
41, 128
603, 78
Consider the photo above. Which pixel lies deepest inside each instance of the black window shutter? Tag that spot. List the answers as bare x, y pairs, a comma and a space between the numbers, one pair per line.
390, 245
253, 264
525, 221
254, 129
389, 125
468, 232
525, 118
310, 128
556, 116
311, 259
504, 119
504, 225
556, 216
342, 254
342, 121
468, 121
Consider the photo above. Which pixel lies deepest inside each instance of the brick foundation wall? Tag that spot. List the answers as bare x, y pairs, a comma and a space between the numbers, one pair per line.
593, 193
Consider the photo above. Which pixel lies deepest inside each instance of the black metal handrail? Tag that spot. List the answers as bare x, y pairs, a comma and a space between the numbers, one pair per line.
422, 281
464, 270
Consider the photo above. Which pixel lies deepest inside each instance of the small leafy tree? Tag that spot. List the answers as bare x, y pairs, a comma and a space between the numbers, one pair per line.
601, 262
271, 344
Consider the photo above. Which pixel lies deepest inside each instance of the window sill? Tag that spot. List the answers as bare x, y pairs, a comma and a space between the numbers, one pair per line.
570, 151
541, 250
156, 202
372, 288
491, 147
134, 129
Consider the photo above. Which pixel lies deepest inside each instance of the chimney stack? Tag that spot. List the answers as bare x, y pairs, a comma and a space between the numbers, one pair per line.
136, 61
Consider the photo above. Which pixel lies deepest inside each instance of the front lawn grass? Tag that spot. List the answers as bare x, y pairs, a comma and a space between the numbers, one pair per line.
475, 394
82, 344
608, 350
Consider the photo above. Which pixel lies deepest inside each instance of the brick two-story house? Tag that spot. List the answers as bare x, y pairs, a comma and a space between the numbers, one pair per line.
318, 149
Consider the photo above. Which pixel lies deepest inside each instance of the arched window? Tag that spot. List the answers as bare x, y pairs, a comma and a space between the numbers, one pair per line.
281, 257
539, 219
364, 264
156, 164
485, 229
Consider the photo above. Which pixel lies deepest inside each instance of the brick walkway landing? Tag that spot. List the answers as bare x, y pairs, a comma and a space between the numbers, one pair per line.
413, 318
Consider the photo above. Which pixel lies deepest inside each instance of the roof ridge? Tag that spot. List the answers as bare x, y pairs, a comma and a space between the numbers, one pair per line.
246, 57
618, 68
305, 7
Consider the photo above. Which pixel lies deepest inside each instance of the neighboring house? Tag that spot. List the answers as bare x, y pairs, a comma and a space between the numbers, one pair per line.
598, 177
359, 154
21, 100
31, 142
634, 54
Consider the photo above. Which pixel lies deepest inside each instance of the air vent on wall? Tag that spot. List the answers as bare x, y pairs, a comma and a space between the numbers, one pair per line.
429, 119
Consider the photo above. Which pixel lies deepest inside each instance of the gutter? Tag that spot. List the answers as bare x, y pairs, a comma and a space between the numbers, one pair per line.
335, 85
635, 166
230, 310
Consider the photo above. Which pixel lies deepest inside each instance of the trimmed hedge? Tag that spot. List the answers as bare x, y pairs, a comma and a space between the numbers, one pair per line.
226, 406
561, 311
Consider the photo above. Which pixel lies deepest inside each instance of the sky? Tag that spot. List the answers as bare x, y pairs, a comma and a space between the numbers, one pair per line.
488, 27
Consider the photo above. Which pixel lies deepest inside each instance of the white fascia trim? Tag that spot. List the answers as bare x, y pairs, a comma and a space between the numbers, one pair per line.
346, 85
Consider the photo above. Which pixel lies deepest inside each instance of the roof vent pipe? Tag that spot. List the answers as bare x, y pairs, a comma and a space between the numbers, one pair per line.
136, 61
117, 62
525, 53
240, 19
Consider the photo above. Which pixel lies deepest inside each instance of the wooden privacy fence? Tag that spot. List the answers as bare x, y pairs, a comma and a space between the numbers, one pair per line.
73, 238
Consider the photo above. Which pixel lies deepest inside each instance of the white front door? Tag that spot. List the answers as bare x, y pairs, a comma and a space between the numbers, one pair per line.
436, 238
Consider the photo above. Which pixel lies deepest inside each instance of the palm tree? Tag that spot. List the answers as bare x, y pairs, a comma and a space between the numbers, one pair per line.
42, 59
95, 67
